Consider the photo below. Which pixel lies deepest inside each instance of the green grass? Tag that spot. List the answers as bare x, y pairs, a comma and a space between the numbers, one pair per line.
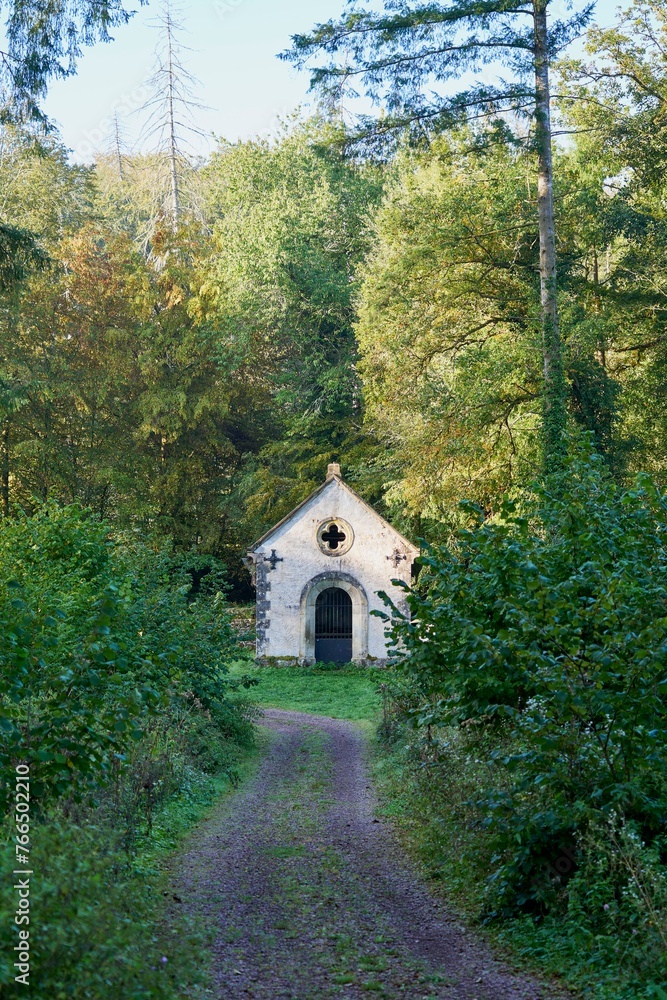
176, 820
341, 694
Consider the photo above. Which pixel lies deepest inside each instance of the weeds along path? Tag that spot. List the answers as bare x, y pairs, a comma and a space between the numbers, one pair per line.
306, 895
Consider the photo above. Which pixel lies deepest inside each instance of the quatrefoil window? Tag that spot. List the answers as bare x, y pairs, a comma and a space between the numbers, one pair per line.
335, 536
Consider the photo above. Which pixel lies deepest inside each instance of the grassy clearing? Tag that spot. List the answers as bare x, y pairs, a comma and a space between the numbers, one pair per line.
342, 694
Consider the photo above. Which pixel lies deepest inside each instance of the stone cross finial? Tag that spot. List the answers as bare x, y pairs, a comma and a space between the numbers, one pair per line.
273, 559
333, 469
397, 556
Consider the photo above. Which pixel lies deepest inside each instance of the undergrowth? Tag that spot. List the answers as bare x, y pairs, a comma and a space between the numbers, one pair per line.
115, 699
608, 937
99, 924
529, 688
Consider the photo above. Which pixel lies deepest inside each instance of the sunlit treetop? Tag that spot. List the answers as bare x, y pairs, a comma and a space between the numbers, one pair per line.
404, 56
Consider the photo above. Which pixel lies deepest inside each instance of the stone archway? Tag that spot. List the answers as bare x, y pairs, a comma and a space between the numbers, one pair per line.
309, 596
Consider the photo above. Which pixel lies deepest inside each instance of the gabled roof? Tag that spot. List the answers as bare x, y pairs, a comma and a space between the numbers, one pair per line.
320, 489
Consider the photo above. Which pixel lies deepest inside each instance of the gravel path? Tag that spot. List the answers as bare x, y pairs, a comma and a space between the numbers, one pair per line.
308, 897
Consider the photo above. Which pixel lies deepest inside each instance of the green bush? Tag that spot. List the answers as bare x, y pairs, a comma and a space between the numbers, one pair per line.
545, 628
606, 931
113, 688
96, 637
93, 932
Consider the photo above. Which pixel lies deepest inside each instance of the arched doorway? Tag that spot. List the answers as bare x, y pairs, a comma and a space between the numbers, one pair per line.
334, 580
333, 626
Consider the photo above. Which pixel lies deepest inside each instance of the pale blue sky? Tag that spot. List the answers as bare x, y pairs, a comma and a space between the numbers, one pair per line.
234, 45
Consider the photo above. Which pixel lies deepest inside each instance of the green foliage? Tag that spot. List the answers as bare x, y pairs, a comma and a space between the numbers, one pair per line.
545, 626
448, 331
59, 657
198, 381
101, 927
89, 939
290, 228
605, 939
19, 254
447, 327
615, 101
97, 638
402, 55
41, 191
41, 48
114, 691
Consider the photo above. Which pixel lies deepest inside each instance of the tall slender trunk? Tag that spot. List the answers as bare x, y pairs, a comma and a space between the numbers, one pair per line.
117, 146
173, 146
5, 469
552, 354
602, 340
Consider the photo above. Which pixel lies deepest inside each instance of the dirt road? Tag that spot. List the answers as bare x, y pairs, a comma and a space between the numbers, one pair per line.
308, 897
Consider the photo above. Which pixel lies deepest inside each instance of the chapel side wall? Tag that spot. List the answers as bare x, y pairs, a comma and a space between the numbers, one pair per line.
366, 562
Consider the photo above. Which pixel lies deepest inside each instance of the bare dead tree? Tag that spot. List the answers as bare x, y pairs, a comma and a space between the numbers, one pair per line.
171, 123
117, 144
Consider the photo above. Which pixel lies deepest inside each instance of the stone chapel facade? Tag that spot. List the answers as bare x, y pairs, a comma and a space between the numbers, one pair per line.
318, 573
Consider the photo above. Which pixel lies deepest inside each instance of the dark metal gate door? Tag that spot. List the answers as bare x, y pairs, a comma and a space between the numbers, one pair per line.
333, 626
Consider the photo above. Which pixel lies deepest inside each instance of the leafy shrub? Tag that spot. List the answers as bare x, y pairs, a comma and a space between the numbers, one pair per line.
547, 627
93, 934
113, 689
96, 638
605, 931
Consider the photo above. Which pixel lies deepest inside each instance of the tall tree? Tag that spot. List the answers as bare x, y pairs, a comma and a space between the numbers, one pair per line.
615, 98
290, 228
171, 107
43, 41
406, 56
451, 378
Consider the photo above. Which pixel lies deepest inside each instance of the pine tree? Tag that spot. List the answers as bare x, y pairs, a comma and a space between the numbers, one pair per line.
404, 54
44, 41
171, 108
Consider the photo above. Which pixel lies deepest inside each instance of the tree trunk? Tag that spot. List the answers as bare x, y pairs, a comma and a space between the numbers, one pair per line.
5, 469
173, 150
117, 146
552, 355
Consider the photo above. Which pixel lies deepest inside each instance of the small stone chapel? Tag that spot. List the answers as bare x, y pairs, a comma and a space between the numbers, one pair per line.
318, 573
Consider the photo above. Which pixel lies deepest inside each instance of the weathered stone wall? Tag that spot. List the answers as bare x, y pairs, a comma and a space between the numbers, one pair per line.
285, 629
263, 619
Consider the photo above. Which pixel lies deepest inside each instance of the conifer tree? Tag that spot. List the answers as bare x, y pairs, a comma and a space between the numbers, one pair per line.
405, 58
171, 107
44, 41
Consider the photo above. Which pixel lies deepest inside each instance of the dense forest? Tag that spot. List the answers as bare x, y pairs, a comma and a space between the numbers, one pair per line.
175, 375
315, 302
190, 380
